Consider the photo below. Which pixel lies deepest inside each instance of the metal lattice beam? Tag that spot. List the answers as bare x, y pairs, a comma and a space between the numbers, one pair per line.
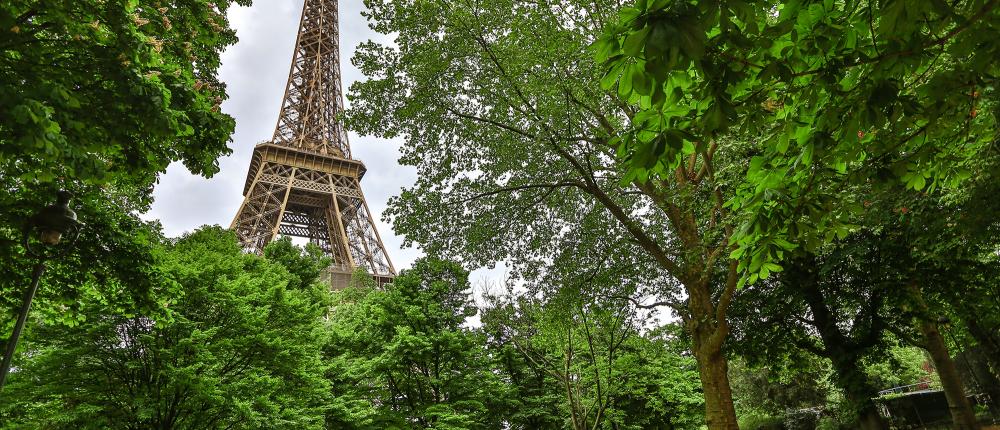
313, 96
303, 182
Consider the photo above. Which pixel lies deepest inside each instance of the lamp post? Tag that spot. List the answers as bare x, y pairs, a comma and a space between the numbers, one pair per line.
48, 227
946, 322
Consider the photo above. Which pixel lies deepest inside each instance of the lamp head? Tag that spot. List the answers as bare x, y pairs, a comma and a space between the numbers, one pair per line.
55, 220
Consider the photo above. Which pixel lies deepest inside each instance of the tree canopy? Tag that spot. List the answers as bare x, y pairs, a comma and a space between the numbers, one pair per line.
103, 92
242, 349
890, 94
725, 214
98, 98
703, 144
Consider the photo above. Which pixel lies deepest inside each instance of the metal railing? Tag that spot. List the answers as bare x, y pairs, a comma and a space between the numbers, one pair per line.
920, 386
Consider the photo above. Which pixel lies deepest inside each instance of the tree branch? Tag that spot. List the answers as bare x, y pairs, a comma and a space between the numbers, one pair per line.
518, 188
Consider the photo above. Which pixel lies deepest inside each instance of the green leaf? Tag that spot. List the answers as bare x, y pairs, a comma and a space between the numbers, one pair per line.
604, 47
635, 41
782, 145
784, 244
628, 14
692, 42
807, 153
611, 77
625, 83
641, 83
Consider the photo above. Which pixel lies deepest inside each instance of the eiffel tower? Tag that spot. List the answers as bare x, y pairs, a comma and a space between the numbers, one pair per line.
304, 181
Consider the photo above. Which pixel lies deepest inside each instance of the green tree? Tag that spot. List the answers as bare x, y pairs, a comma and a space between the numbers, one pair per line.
306, 265
967, 224
102, 92
92, 272
852, 294
505, 119
242, 349
587, 356
402, 357
839, 305
99, 97
893, 94
945, 258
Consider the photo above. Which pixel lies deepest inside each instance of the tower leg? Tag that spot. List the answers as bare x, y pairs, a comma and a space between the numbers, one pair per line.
260, 215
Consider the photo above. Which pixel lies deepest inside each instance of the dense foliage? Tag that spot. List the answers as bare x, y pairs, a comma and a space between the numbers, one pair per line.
892, 93
242, 349
707, 145
405, 358
99, 97
717, 213
257, 342
100, 92
510, 130
591, 360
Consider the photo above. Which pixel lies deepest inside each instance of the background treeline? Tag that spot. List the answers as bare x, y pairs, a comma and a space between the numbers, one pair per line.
259, 342
251, 342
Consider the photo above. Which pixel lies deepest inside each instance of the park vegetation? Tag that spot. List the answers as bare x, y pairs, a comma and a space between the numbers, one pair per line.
716, 214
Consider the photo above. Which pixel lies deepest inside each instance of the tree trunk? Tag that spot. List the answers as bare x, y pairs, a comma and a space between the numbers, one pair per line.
708, 333
843, 352
720, 414
858, 393
989, 340
962, 416
961, 411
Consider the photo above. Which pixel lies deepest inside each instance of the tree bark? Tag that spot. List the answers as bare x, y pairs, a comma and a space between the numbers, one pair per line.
708, 330
963, 418
720, 413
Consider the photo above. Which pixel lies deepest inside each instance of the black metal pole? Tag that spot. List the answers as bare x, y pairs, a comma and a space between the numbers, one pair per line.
965, 358
29, 295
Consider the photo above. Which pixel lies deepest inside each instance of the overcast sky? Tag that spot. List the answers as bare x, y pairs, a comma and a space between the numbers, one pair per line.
256, 70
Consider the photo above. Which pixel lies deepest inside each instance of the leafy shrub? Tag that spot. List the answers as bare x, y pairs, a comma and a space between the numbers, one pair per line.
760, 421
829, 423
802, 419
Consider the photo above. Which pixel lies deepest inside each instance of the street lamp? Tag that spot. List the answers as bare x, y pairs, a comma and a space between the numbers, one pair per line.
49, 227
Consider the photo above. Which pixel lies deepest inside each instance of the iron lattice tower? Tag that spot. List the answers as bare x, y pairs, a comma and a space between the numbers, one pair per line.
304, 182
